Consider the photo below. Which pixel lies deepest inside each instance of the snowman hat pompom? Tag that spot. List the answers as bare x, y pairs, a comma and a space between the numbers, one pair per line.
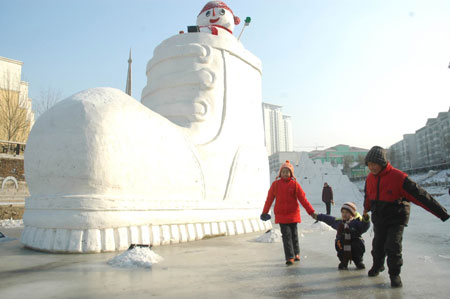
219, 4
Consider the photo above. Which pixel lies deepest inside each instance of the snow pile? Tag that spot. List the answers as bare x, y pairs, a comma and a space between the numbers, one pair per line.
432, 176
271, 236
11, 223
316, 227
135, 258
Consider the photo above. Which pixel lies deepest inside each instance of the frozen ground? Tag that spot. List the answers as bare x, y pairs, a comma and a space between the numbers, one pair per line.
244, 266
233, 267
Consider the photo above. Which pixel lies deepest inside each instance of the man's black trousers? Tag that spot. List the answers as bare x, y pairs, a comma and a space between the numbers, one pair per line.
290, 240
387, 241
328, 204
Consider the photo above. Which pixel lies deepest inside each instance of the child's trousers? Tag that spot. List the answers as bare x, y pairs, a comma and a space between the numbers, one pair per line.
387, 241
290, 240
358, 249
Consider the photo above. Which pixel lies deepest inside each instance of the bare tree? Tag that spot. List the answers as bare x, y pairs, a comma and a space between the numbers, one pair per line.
14, 116
347, 160
362, 159
48, 98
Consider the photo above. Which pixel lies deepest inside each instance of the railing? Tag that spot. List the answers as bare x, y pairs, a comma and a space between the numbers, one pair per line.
440, 166
12, 147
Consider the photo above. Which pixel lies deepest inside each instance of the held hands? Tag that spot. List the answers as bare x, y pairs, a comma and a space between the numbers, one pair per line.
314, 216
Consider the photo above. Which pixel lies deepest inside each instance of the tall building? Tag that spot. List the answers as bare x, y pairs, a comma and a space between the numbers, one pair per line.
16, 114
288, 134
403, 154
128, 85
278, 133
429, 146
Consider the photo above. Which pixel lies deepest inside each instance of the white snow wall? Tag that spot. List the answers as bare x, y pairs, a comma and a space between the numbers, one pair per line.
105, 171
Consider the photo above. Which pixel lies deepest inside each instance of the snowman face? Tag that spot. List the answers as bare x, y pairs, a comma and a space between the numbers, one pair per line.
216, 16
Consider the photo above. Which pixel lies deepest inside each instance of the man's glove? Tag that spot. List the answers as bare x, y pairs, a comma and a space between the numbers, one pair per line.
265, 217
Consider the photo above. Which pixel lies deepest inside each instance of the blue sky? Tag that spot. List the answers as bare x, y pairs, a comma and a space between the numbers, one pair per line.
357, 72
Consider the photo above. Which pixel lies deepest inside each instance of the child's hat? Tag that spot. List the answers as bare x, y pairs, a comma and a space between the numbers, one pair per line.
349, 206
377, 155
287, 165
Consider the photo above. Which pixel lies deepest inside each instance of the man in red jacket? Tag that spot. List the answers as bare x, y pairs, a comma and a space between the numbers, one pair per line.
388, 193
288, 193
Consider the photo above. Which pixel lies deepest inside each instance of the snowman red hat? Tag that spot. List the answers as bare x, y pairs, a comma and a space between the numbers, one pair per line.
219, 4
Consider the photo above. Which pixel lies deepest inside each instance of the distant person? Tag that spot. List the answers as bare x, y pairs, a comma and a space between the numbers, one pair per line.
348, 243
388, 193
327, 197
288, 193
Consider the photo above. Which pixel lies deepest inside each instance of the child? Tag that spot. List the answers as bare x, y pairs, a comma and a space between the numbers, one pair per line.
287, 191
388, 192
349, 244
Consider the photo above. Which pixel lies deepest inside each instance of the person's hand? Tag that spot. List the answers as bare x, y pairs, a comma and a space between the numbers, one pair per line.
332, 202
314, 216
264, 217
365, 213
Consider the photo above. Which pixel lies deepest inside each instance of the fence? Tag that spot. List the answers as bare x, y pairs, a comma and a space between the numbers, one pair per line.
12, 147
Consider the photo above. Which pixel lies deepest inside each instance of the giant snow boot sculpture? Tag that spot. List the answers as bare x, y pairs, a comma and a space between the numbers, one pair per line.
105, 171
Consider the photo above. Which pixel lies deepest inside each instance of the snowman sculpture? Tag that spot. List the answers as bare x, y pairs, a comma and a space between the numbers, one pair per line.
105, 171
216, 16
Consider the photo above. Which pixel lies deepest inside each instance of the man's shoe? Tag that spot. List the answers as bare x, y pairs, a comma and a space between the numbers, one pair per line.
290, 262
342, 266
360, 265
297, 258
375, 271
396, 281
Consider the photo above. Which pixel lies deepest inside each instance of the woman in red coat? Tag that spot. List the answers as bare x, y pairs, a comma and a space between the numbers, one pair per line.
288, 193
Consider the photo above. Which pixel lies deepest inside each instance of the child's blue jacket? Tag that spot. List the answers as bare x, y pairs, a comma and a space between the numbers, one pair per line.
357, 225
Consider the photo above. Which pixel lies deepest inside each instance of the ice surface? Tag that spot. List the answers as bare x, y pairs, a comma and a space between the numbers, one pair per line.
136, 257
233, 267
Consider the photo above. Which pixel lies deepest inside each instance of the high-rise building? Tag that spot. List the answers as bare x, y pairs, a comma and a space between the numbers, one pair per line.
278, 133
16, 114
288, 134
429, 146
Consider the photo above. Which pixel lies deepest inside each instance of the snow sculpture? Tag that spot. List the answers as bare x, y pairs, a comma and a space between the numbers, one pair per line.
105, 171
216, 16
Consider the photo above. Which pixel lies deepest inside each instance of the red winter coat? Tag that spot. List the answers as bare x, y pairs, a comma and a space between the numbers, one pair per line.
287, 209
388, 194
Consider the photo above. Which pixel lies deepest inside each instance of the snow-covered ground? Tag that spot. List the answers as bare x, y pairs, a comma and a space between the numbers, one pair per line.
11, 223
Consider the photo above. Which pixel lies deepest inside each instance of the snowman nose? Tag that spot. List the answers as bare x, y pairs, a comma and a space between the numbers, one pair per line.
214, 12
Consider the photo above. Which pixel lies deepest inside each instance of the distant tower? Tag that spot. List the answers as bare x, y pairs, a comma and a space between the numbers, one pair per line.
128, 88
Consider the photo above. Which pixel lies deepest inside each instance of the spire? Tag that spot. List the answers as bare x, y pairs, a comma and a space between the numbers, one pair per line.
128, 87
